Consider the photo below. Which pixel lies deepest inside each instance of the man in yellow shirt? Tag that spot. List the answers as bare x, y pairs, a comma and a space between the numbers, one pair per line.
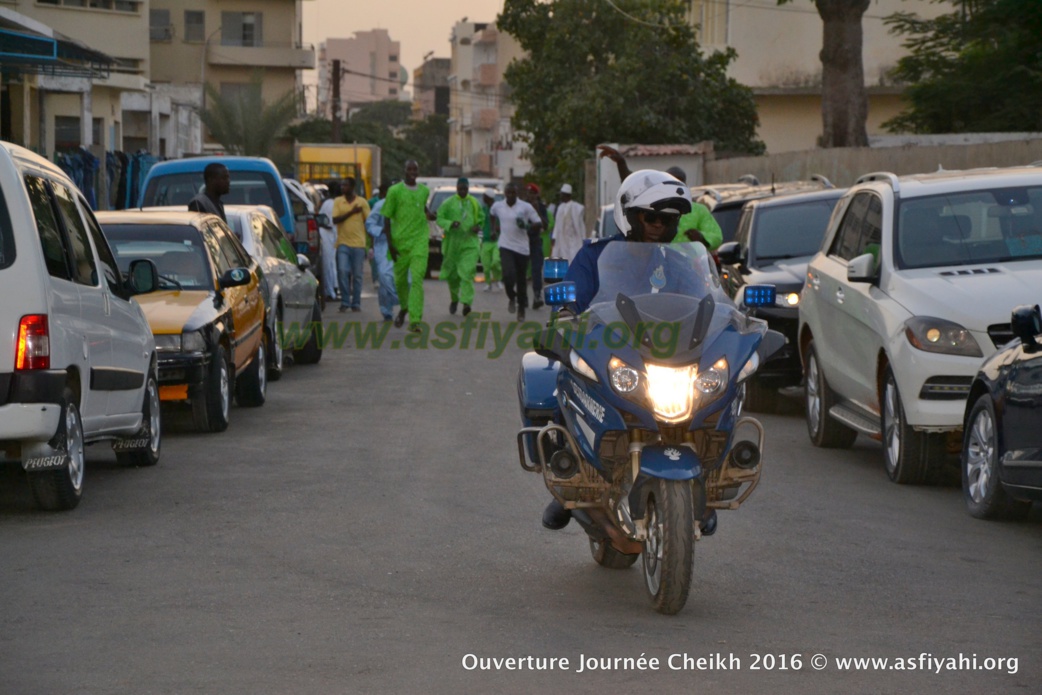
349, 214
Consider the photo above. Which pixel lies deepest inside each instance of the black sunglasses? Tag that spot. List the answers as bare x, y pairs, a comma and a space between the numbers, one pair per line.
655, 217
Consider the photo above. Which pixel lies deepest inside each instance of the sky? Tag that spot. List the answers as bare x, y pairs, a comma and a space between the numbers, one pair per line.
418, 25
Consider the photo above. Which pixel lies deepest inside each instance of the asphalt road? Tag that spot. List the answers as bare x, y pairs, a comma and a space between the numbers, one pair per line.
369, 530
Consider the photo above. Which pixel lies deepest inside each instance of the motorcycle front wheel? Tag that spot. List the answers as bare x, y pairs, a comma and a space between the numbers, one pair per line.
669, 551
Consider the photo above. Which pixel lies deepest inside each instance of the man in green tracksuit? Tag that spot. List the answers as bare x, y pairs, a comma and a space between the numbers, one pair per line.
460, 217
406, 214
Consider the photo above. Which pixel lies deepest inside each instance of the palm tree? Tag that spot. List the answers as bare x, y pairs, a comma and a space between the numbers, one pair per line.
243, 122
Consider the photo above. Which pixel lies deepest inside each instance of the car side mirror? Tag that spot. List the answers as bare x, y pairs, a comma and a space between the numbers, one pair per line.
235, 277
730, 253
143, 276
303, 262
1026, 322
862, 268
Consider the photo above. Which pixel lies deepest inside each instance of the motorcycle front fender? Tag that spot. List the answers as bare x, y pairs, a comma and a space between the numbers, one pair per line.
670, 462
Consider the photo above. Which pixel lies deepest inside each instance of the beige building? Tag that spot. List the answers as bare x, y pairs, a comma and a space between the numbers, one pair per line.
430, 83
369, 70
481, 136
778, 49
222, 43
76, 99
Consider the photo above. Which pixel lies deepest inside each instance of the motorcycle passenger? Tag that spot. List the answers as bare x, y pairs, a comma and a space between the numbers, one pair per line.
648, 208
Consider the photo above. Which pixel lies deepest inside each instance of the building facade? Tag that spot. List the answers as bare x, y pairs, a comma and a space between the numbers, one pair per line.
369, 71
481, 136
778, 57
430, 83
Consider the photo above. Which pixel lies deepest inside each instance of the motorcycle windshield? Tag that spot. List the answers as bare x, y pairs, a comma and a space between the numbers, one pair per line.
654, 291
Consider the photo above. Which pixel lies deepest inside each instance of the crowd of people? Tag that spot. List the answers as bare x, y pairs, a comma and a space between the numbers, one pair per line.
509, 237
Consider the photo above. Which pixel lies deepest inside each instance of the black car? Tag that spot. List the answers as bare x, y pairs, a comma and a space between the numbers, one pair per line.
1002, 428
775, 239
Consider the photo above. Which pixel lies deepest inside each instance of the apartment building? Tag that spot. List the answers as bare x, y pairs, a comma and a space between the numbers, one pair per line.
430, 83
62, 87
778, 49
481, 136
222, 43
369, 70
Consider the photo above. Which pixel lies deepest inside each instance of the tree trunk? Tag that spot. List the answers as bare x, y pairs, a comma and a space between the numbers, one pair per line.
844, 104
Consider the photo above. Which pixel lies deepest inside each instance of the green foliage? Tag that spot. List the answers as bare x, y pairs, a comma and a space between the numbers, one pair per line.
976, 69
594, 75
389, 112
245, 124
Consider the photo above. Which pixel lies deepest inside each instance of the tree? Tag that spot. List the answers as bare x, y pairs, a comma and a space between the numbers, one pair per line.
243, 122
844, 103
431, 135
976, 69
389, 112
630, 71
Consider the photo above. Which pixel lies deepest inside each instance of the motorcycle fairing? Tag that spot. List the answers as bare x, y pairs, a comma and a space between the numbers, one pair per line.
670, 462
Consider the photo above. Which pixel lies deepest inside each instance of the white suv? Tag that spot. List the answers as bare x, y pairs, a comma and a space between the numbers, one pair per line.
78, 364
910, 291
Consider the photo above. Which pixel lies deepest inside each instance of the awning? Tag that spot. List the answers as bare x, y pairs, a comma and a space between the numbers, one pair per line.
29, 47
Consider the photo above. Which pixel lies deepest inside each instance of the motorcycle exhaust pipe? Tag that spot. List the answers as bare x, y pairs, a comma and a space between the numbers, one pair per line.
564, 464
745, 455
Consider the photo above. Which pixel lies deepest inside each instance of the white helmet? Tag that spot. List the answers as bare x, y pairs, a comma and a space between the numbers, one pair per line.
648, 189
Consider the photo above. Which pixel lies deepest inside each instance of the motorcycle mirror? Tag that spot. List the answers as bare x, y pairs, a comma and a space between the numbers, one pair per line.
559, 294
759, 295
554, 269
772, 342
1026, 322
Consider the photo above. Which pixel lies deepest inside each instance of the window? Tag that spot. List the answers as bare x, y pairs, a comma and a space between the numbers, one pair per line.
159, 27
392, 59
392, 91
277, 243
51, 240
7, 250
195, 26
845, 245
241, 29
85, 271
239, 91
116, 5
234, 254
66, 132
108, 263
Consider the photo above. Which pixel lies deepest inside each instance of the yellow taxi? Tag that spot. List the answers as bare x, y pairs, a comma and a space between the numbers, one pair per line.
207, 315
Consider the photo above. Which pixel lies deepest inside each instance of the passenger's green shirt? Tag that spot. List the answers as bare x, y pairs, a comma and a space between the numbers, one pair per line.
701, 219
406, 209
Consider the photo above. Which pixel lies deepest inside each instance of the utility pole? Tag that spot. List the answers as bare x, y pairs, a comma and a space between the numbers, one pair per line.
336, 101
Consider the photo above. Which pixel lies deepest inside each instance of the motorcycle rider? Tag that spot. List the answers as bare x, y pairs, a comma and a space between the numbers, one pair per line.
648, 208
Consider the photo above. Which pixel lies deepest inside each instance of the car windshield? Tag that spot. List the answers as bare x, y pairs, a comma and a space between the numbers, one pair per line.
247, 188
177, 251
988, 226
790, 231
727, 217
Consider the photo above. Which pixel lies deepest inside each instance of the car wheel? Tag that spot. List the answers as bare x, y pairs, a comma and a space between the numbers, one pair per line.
760, 397
823, 430
981, 487
276, 352
150, 428
211, 406
907, 454
311, 353
61, 489
251, 388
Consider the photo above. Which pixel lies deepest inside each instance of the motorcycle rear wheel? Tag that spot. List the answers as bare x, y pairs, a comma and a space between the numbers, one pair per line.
607, 556
669, 551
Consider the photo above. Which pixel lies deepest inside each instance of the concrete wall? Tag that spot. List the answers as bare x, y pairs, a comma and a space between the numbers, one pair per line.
844, 166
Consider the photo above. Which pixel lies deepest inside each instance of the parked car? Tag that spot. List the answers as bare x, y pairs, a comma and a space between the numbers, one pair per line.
207, 314
292, 297
606, 226
726, 202
776, 238
1002, 437
254, 181
905, 298
305, 212
79, 363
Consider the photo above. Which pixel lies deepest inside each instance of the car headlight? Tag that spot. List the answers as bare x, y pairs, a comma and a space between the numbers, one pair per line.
168, 343
193, 341
671, 391
941, 336
580, 365
789, 300
623, 377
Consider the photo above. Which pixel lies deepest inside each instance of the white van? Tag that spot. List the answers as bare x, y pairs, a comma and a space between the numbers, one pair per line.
78, 364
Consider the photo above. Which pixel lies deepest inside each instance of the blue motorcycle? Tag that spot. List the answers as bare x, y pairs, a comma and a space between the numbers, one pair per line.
632, 409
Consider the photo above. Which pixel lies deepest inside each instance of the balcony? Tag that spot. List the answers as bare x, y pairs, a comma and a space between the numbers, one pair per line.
267, 55
486, 75
486, 119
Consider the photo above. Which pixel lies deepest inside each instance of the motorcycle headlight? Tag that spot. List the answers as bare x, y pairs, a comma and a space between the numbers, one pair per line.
713, 381
671, 391
939, 335
193, 341
168, 343
750, 367
624, 378
582, 366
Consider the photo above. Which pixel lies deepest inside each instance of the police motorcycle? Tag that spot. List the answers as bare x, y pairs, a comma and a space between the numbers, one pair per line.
632, 409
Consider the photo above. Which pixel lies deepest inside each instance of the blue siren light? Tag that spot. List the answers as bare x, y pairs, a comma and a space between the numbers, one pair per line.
554, 269
760, 295
559, 294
